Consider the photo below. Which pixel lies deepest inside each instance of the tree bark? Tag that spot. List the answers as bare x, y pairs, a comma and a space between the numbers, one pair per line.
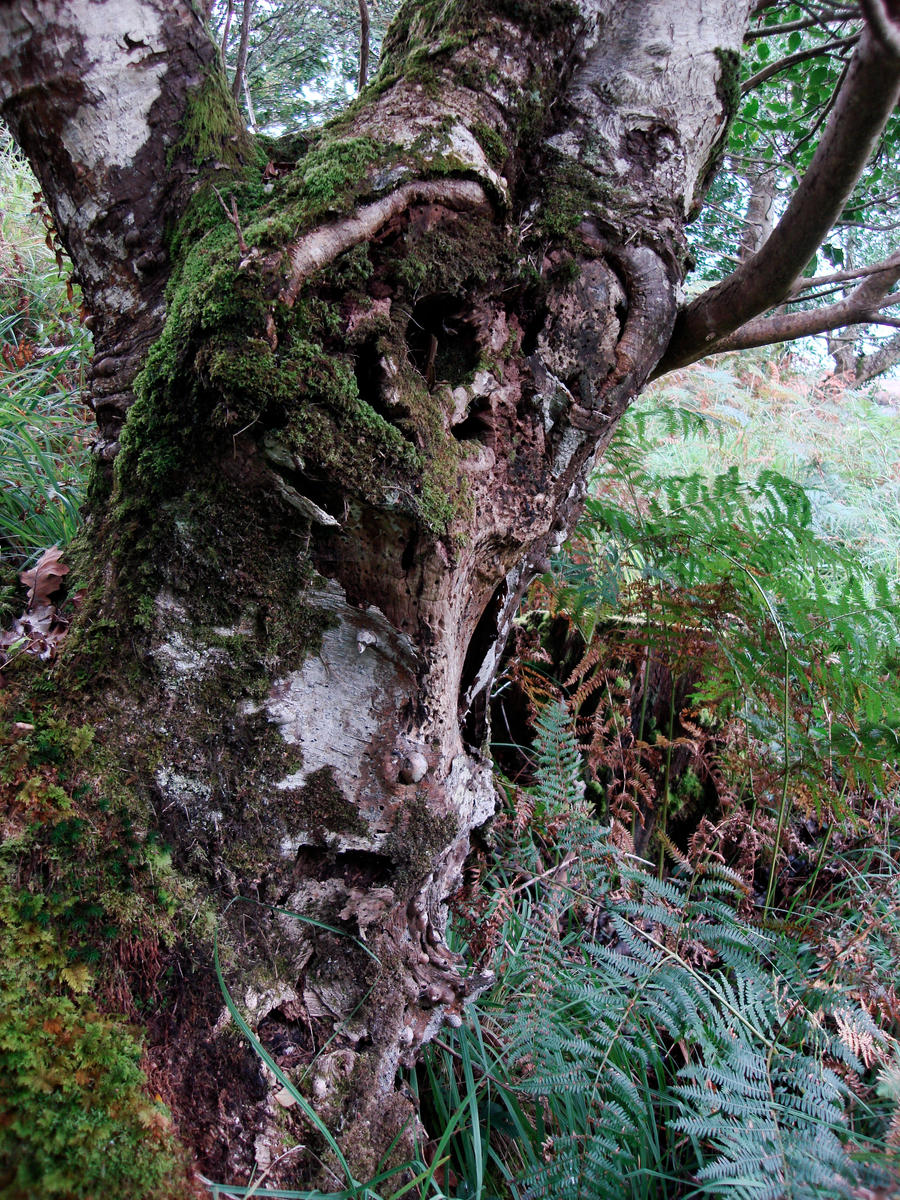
759, 219
363, 395
363, 73
870, 366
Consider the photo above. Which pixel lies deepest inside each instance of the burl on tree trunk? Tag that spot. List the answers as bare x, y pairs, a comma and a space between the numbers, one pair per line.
349, 389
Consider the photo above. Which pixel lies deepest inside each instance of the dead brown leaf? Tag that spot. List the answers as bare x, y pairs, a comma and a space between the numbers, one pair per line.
44, 578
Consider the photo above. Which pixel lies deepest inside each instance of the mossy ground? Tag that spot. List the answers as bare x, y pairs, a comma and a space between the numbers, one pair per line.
88, 904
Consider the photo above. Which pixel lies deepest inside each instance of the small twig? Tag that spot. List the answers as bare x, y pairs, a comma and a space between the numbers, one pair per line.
254, 1187
363, 44
555, 869
232, 215
229, 17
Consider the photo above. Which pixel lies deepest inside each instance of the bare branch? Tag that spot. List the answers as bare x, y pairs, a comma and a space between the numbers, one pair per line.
248, 100
232, 215
806, 285
881, 360
237, 84
791, 60
363, 43
861, 307
226, 32
864, 104
754, 35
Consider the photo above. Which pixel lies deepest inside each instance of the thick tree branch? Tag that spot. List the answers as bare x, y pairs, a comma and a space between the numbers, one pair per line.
866, 100
884, 19
791, 60
117, 171
862, 306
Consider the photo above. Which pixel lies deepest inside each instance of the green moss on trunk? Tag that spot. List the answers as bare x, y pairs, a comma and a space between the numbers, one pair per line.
88, 901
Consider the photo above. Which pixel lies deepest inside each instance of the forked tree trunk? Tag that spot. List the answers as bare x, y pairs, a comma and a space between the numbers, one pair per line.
386, 369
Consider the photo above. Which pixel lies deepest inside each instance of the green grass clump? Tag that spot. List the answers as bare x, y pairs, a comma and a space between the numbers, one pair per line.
43, 352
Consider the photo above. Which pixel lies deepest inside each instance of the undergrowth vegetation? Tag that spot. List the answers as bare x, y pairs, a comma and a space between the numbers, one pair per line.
44, 349
652, 1037
692, 897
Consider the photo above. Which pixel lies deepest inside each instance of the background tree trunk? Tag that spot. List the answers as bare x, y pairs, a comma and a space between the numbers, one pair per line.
759, 219
870, 366
377, 383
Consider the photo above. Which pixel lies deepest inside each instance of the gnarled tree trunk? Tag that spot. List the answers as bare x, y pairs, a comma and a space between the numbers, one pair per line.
352, 396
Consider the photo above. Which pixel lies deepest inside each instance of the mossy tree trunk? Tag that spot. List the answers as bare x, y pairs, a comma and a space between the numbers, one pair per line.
349, 388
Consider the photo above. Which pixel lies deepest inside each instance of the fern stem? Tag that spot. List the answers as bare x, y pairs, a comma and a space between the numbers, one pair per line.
783, 806
666, 795
704, 983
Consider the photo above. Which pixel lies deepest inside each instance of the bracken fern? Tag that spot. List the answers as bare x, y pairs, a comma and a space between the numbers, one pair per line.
670, 1045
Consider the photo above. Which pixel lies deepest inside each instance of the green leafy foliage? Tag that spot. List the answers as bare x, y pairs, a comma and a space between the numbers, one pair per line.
726, 655
303, 60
